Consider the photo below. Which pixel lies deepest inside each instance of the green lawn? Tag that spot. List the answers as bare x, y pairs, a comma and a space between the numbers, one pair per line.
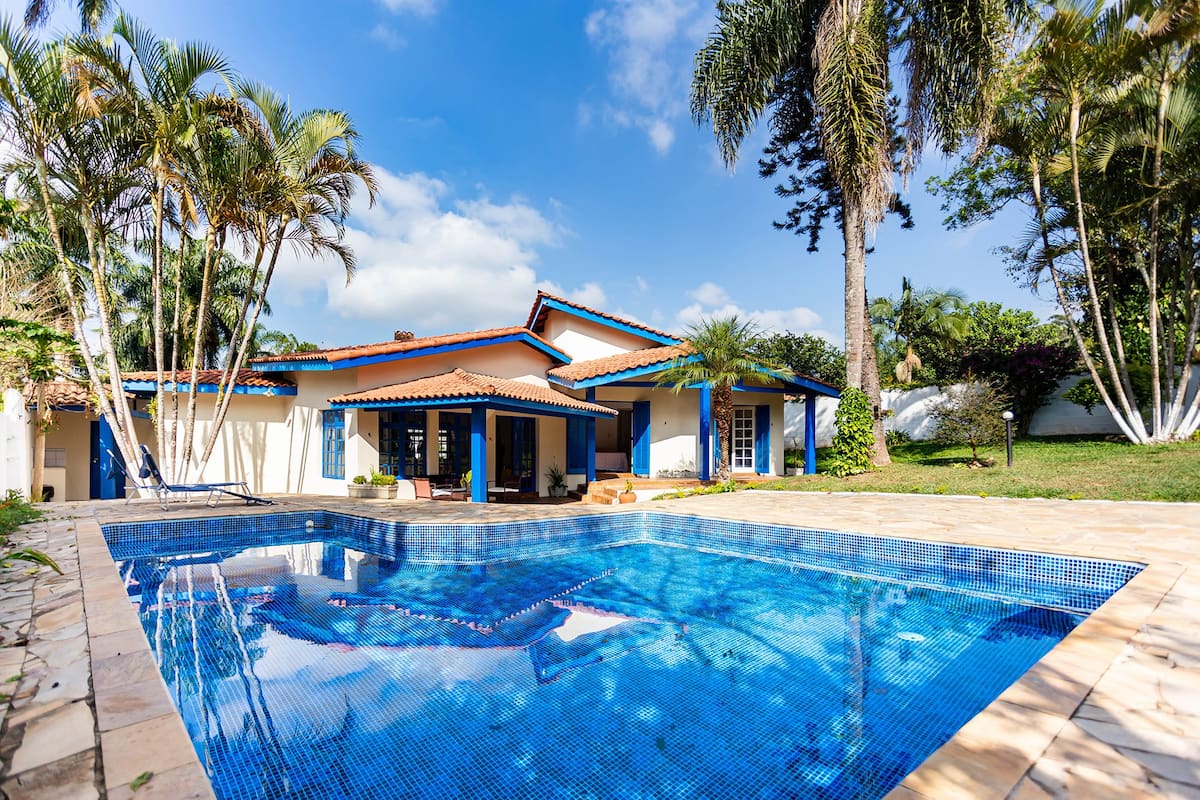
1061, 467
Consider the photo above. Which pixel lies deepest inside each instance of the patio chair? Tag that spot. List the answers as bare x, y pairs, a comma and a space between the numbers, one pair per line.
157, 484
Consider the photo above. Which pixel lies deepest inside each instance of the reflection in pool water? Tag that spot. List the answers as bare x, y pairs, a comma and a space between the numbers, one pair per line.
307, 669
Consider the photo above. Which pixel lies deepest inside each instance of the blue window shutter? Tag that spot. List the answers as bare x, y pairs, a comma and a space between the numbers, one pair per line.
762, 439
576, 445
641, 438
333, 444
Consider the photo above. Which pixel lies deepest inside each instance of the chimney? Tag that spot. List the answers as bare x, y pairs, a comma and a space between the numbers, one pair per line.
403, 336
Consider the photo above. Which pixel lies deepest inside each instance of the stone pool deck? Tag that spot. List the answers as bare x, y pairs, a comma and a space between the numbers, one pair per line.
1112, 711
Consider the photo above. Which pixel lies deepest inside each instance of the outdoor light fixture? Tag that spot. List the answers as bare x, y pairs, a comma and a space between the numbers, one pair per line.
1007, 416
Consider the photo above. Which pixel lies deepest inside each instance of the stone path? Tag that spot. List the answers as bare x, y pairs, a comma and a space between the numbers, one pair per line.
1112, 711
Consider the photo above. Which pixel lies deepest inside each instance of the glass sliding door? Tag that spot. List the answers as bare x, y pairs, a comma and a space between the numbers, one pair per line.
454, 445
516, 452
402, 443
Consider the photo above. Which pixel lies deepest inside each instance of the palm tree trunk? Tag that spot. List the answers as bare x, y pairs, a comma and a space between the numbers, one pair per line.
173, 468
247, 335
189, 425
1119, 377
39, 445
156, 279
126, 441
854, 235
722, 399
1064, 303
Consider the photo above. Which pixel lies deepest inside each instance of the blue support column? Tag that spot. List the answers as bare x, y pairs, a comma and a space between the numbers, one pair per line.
479, 455
705, 432
810, 434
590, 396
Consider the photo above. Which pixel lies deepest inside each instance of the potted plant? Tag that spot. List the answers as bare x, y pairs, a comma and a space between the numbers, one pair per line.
384, 485
375, 487
628, 496
558, 480
358, 487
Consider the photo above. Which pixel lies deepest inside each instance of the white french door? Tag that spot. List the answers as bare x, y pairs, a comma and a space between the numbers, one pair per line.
743, 440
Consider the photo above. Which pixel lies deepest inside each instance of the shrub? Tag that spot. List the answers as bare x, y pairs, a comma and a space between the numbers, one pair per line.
360, 479
14, 512
970, 415
855, 438
896, 437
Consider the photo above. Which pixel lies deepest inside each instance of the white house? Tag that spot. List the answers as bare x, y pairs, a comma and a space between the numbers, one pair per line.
572, 387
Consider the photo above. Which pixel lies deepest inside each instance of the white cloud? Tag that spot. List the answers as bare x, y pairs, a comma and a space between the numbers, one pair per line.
712, 301
387, 37
650, 44
422, 8
709, 294
431, 265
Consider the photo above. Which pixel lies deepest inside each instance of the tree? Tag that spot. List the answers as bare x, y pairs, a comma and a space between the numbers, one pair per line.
929, 313
950, 53
853, 439
114, 148
804, 354
274, 343
1100, 136
135, 338
41, 355
723, 356
971, 415
91, 13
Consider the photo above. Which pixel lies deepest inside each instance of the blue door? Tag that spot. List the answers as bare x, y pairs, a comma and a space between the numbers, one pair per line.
641, 438
106, 475
762, 439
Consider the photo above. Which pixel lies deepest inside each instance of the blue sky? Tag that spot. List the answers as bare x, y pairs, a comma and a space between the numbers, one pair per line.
547, 144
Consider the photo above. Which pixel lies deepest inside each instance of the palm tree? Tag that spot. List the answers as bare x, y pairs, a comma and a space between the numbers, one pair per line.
135, 340
725, 347
155, 93
273, 343
300, 194
91, 13
935, 314
949, 52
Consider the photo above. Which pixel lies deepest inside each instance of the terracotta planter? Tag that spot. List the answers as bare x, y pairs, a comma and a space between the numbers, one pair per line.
627, 497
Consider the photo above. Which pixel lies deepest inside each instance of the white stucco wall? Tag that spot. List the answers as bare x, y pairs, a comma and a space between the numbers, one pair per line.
16, 446
584, 340
912, 407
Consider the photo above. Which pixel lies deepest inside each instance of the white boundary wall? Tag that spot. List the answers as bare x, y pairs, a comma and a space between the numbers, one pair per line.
911, 409
15, 450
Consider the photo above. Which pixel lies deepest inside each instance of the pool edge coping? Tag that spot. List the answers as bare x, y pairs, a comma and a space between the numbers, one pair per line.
988, 756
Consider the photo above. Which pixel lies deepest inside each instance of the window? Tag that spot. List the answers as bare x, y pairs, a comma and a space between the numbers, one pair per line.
454, 443
333, 444
402, 443
55, 457
577, 429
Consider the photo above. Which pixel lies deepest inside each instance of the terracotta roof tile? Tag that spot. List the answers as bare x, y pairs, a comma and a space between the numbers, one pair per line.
245, 377
62, 393
467, 385
610, 365
534, 320
336, 354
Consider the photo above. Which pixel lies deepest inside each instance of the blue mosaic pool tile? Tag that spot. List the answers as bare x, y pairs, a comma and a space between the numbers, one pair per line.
1074, 583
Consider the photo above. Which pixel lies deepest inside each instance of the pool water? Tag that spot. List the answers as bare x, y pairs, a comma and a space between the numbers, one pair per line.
308, 669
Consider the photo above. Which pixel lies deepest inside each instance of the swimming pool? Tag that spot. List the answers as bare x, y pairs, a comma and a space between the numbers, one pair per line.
635, 655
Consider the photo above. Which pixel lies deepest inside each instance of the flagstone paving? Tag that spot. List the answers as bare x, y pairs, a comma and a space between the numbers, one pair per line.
1112, 711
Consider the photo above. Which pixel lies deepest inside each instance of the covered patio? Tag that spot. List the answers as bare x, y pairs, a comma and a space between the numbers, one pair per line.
502, 434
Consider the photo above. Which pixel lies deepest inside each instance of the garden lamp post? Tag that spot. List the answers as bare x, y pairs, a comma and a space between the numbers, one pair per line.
1007, 416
